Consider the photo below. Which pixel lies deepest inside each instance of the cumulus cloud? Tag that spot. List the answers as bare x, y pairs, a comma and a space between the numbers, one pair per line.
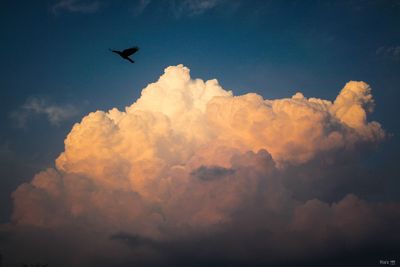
75, 6
55, 114
191, 172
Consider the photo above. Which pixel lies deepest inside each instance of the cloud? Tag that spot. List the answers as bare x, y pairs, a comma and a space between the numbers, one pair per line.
187, 8
5, 151
189, 173
75, 6
55, 114
199, 6
193, 7
211, 173
141, 6
389, 52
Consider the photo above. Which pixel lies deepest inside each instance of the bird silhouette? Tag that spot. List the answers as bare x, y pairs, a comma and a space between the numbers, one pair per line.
126, 53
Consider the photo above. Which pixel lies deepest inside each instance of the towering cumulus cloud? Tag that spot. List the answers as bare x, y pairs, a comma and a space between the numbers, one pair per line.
190, 172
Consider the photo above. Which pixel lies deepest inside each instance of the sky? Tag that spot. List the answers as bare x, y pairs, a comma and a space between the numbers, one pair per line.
153, 165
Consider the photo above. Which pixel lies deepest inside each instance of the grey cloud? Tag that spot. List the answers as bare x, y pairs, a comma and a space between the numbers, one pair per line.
141, 6
75, 6
211, 173
389, 52
54, 113
193, 7
134, 240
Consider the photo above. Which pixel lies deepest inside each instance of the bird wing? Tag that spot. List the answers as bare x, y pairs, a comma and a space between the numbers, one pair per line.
115, 51
127, 58
130, 51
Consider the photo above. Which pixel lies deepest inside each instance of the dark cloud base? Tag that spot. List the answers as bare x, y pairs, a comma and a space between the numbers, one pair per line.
315, 224
219, 250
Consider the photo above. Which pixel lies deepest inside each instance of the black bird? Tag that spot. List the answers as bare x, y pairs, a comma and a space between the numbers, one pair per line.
126, 53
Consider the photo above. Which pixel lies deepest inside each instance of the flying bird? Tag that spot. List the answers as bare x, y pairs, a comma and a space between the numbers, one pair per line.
126, 53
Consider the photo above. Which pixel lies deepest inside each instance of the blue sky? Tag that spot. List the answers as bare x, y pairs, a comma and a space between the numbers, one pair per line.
56, 68
56, 53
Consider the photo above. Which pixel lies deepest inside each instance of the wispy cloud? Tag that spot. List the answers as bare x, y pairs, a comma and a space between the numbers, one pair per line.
55, 114
5, 151
193, 7
186, 8
141, 6
389, 52
75, 6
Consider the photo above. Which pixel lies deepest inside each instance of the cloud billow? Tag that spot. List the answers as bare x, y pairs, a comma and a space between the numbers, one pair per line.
190, 164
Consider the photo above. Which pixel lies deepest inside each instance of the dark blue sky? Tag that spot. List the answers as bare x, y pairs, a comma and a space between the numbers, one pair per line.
57, 52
